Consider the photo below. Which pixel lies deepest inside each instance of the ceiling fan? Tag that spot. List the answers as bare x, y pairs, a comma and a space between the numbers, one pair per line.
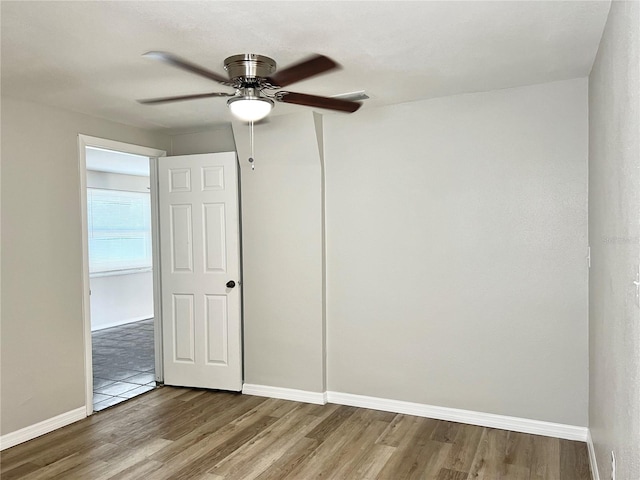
258, 85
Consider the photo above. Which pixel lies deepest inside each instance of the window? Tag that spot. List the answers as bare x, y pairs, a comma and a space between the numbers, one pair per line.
119, 230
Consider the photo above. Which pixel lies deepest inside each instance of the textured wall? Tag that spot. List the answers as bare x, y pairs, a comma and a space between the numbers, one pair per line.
456, 243
614, 235
42, 329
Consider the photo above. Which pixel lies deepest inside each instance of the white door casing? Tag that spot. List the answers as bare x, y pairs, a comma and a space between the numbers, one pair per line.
199, 238
85, 141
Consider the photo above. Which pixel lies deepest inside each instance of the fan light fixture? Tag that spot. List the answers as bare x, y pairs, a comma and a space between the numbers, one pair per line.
250, 108
255, 79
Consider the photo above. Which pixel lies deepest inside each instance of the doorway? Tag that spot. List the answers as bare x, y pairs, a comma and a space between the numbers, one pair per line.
121, 303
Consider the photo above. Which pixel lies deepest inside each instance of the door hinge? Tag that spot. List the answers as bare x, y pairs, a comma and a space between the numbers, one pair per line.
588, 257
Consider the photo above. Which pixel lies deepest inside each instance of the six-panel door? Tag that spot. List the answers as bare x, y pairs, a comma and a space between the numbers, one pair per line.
199, 252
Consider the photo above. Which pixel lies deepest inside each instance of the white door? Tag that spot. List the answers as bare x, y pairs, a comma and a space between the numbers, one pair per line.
200, 270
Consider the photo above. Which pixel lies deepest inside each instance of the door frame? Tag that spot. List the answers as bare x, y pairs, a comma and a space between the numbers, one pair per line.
153, 154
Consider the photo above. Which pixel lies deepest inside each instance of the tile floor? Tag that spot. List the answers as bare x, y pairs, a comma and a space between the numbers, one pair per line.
123, 363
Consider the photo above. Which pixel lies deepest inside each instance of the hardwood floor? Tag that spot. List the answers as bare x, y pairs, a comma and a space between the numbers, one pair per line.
174, 433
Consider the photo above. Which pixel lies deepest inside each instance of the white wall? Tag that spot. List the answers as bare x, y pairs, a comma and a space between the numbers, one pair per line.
42, 329
219, 139
456, 243
456, 237
122, 298
614, 235
282, 249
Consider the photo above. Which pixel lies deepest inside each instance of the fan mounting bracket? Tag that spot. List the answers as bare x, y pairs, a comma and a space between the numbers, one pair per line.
249, 67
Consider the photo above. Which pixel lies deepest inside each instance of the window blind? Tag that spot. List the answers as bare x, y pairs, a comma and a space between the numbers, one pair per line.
119, 230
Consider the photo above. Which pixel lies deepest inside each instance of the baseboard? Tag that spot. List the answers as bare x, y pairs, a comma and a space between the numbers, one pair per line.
28, 433
595, 474
516, 424
104, 326
319, 398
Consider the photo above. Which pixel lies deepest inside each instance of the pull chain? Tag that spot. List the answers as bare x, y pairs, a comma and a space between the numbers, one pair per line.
251, 160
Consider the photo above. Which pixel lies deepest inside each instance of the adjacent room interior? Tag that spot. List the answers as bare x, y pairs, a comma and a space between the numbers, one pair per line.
463, 248
121, 275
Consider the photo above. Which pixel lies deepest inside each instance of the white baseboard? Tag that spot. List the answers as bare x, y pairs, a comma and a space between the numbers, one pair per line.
595, 475
119, 323
28, 433
516, 424
319, 398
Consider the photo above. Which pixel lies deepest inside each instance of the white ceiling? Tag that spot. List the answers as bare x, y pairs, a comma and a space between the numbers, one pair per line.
85, 55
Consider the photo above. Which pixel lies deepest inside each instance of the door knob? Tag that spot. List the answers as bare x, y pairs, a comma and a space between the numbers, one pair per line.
231, 284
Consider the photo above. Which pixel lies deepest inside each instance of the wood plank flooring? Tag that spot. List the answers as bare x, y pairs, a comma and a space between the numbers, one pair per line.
177, 433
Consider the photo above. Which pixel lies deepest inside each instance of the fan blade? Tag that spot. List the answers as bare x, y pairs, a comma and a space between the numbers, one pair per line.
316, 101
353, 96
179, 98
176, 61
306, 68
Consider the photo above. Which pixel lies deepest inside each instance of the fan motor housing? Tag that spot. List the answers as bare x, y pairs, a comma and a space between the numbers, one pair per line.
249, 65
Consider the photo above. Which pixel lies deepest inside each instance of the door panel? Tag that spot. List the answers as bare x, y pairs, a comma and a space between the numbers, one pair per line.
183, 328
199, 251
216, 309
214, 234
181, 235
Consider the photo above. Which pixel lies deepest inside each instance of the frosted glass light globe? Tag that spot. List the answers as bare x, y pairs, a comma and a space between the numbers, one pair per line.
250, 109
